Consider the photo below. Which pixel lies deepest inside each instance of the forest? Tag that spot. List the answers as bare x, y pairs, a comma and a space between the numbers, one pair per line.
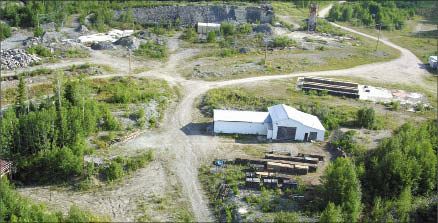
390, 15
382, 185
50, 137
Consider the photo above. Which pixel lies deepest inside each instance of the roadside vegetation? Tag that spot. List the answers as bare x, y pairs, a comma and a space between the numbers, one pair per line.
398, 20
16, 208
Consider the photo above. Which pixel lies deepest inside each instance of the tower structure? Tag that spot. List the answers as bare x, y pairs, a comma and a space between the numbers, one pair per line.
311, 22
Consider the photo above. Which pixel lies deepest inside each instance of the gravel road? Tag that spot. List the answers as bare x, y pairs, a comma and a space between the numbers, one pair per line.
182, 142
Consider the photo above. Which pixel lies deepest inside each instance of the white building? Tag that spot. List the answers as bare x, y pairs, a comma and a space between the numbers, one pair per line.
205, 28
281, 122
433, 61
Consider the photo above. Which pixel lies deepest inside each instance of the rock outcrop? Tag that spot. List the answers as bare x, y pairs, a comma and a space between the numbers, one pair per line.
191, 15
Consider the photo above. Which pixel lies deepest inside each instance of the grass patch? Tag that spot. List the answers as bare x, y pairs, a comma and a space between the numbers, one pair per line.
127, 90
9, 95
138, 70
152, 50
422, 44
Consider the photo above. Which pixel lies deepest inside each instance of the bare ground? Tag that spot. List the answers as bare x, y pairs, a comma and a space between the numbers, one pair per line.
185, 147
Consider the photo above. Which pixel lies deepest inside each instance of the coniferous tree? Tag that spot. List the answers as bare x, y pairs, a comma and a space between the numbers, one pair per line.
331, 214
20, 101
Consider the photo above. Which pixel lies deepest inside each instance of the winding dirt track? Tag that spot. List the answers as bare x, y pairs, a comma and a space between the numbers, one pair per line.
188, 148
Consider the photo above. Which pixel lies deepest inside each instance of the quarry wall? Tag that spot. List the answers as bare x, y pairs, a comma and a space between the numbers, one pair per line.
191, 15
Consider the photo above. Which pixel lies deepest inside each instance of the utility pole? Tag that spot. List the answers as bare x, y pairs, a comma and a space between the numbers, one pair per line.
59, 91
378, 37
129, 61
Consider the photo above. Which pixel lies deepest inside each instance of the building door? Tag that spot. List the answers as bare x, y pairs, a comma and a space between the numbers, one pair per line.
286, 133
313, 136
305, 136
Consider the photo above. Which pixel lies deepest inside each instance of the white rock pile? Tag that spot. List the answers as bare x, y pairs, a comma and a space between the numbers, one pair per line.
16, 58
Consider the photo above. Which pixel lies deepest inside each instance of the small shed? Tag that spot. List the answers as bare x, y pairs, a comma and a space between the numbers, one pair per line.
433, 62
204, 28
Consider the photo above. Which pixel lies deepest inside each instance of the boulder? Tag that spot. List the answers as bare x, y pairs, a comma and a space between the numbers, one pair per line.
106, 45
266, 29
130, 42
82, 29
243, 50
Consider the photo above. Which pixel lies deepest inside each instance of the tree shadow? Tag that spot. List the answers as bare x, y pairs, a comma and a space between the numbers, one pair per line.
204, 129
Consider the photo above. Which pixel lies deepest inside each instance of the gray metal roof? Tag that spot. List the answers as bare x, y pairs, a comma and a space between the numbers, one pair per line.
241, 116
282, 112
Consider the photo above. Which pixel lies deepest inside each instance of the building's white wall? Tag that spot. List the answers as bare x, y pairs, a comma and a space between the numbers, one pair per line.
432, 62
240, 127
206, 29
301, 129
269, 136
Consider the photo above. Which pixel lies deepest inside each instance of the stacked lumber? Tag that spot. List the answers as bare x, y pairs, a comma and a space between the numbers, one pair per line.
127, 138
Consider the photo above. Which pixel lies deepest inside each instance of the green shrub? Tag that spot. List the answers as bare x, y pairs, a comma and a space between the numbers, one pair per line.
395, 105
325, 27
211, 37
37, 72
115, 171
419, 107
5, 31
348, 144
153, 122
227, 29
158, 30
39, 50
38, 31
366, 117
152, 50
283, 41
189, 34
228, 52
286, 217
245, 28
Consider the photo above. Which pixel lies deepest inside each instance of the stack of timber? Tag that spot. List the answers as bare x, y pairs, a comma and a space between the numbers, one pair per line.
252, 182
270, 183
333, 87
292, 158
321, 158
289, 184
127, 138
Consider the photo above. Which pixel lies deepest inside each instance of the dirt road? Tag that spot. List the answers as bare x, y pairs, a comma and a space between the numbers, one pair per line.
182, 143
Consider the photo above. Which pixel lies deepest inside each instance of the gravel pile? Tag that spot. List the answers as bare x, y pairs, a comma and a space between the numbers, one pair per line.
15, 58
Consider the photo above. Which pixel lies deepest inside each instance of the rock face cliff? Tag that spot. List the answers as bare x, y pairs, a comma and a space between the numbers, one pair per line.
191, 15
